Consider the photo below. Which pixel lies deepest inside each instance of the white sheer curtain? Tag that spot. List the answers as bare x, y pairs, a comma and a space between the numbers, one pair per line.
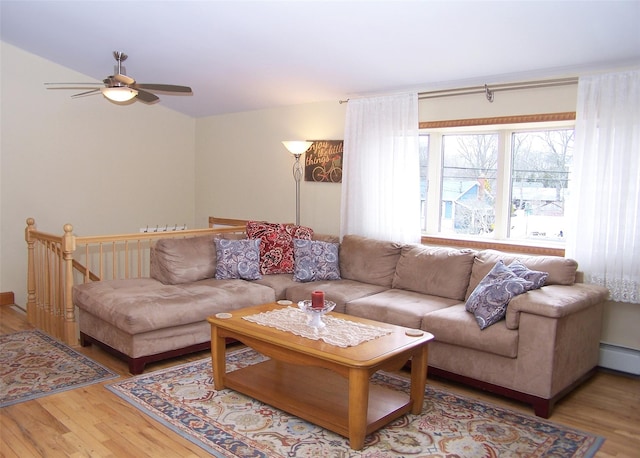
605, 195
381, 169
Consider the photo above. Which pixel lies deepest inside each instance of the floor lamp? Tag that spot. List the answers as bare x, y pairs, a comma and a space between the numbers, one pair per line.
297, 148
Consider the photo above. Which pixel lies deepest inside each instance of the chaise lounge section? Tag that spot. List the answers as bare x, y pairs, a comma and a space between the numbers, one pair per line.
547, 342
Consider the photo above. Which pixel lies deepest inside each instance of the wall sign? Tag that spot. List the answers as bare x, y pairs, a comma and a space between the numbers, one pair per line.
323, 161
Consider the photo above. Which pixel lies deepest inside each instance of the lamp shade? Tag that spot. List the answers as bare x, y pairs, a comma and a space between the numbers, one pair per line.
297, 147
119, 94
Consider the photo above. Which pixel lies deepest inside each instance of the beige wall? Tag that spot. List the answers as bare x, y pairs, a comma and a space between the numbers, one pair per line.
102, 167
506, 103
107, 168
244, 171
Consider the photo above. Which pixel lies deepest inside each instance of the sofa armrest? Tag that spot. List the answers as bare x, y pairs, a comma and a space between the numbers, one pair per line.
555, 301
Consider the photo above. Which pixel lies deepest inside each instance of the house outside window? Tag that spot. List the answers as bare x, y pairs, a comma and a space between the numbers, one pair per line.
498, 182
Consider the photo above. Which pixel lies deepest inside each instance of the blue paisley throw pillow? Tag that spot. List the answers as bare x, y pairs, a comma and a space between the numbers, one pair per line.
315, 260
538, 278
238, 259
488, 302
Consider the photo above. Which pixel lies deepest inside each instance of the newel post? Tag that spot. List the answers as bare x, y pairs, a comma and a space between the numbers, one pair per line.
32, 312
70, 324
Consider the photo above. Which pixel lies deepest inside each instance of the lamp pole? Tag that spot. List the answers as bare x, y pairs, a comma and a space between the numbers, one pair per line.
297, 176
297, 148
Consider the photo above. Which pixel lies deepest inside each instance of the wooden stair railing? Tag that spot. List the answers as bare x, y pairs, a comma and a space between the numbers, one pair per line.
56, 262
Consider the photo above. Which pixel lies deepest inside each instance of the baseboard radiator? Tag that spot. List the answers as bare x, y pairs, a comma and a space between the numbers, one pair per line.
620, 358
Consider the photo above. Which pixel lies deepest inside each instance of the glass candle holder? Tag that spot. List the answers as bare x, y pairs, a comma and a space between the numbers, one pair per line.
316, 314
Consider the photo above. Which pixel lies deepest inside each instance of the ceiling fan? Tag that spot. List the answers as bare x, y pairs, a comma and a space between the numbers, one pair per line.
122, 88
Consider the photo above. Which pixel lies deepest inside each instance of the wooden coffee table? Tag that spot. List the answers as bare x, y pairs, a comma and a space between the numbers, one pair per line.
322, 383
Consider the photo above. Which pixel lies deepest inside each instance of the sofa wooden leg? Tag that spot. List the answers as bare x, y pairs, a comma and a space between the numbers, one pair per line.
85, 340
542, 407
136, 365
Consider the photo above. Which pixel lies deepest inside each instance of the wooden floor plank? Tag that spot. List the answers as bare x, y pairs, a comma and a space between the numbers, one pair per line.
14, 443
92, 421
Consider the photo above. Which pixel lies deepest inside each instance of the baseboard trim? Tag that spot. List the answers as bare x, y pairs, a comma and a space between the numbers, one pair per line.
7, 298
620, 358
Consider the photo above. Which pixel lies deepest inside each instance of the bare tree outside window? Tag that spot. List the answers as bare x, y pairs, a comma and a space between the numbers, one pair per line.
539, 181
502, 181
468, 183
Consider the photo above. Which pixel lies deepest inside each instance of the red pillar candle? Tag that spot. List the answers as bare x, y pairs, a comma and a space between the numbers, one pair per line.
317, 299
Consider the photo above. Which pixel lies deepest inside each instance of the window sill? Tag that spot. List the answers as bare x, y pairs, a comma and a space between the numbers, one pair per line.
502, 245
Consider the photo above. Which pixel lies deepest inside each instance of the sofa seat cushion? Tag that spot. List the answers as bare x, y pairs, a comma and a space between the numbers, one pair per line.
338, 291
368, 260
144, 304
397, 306
436, 271
455, 326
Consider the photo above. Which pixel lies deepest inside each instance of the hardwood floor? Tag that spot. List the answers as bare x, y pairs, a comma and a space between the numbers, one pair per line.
91, 421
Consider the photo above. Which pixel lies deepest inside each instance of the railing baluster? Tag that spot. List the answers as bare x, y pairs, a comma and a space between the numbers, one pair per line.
87, 264
139, 258
46, 306
126, 259
114, 264
101, 261
59, 297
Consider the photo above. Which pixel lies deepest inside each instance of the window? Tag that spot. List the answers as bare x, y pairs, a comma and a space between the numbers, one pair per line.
539, 180
424, 164
501, 182
467, 196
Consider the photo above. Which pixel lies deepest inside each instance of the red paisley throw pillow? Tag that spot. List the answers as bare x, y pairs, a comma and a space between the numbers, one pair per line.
276, 248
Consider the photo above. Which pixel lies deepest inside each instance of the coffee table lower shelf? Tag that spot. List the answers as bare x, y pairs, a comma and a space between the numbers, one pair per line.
315, 394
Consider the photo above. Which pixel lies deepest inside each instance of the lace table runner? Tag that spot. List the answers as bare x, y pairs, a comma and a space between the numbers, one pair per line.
338, 332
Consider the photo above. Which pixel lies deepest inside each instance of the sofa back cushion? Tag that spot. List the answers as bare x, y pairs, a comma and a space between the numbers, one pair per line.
436, 271
176, 261
562, 271
325, 238
368, 260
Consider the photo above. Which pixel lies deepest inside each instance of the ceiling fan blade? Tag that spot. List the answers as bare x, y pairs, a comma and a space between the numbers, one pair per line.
124, 79
75, 88
84, 94
164, 88
147, 97
69, 84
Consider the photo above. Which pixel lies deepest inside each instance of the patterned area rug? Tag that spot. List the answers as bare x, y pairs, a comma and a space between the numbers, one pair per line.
33, 364
228, 424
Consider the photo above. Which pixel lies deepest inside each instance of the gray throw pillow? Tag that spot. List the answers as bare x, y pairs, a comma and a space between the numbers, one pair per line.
315, 260
488, 301
238, 259
536, 277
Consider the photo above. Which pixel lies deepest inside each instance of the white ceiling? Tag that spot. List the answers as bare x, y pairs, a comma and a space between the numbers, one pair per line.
246, 55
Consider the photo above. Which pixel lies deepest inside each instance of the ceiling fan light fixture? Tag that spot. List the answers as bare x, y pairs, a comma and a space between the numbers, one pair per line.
119, 94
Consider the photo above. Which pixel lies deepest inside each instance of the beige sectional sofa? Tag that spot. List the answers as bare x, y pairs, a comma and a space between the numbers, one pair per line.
547, 343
